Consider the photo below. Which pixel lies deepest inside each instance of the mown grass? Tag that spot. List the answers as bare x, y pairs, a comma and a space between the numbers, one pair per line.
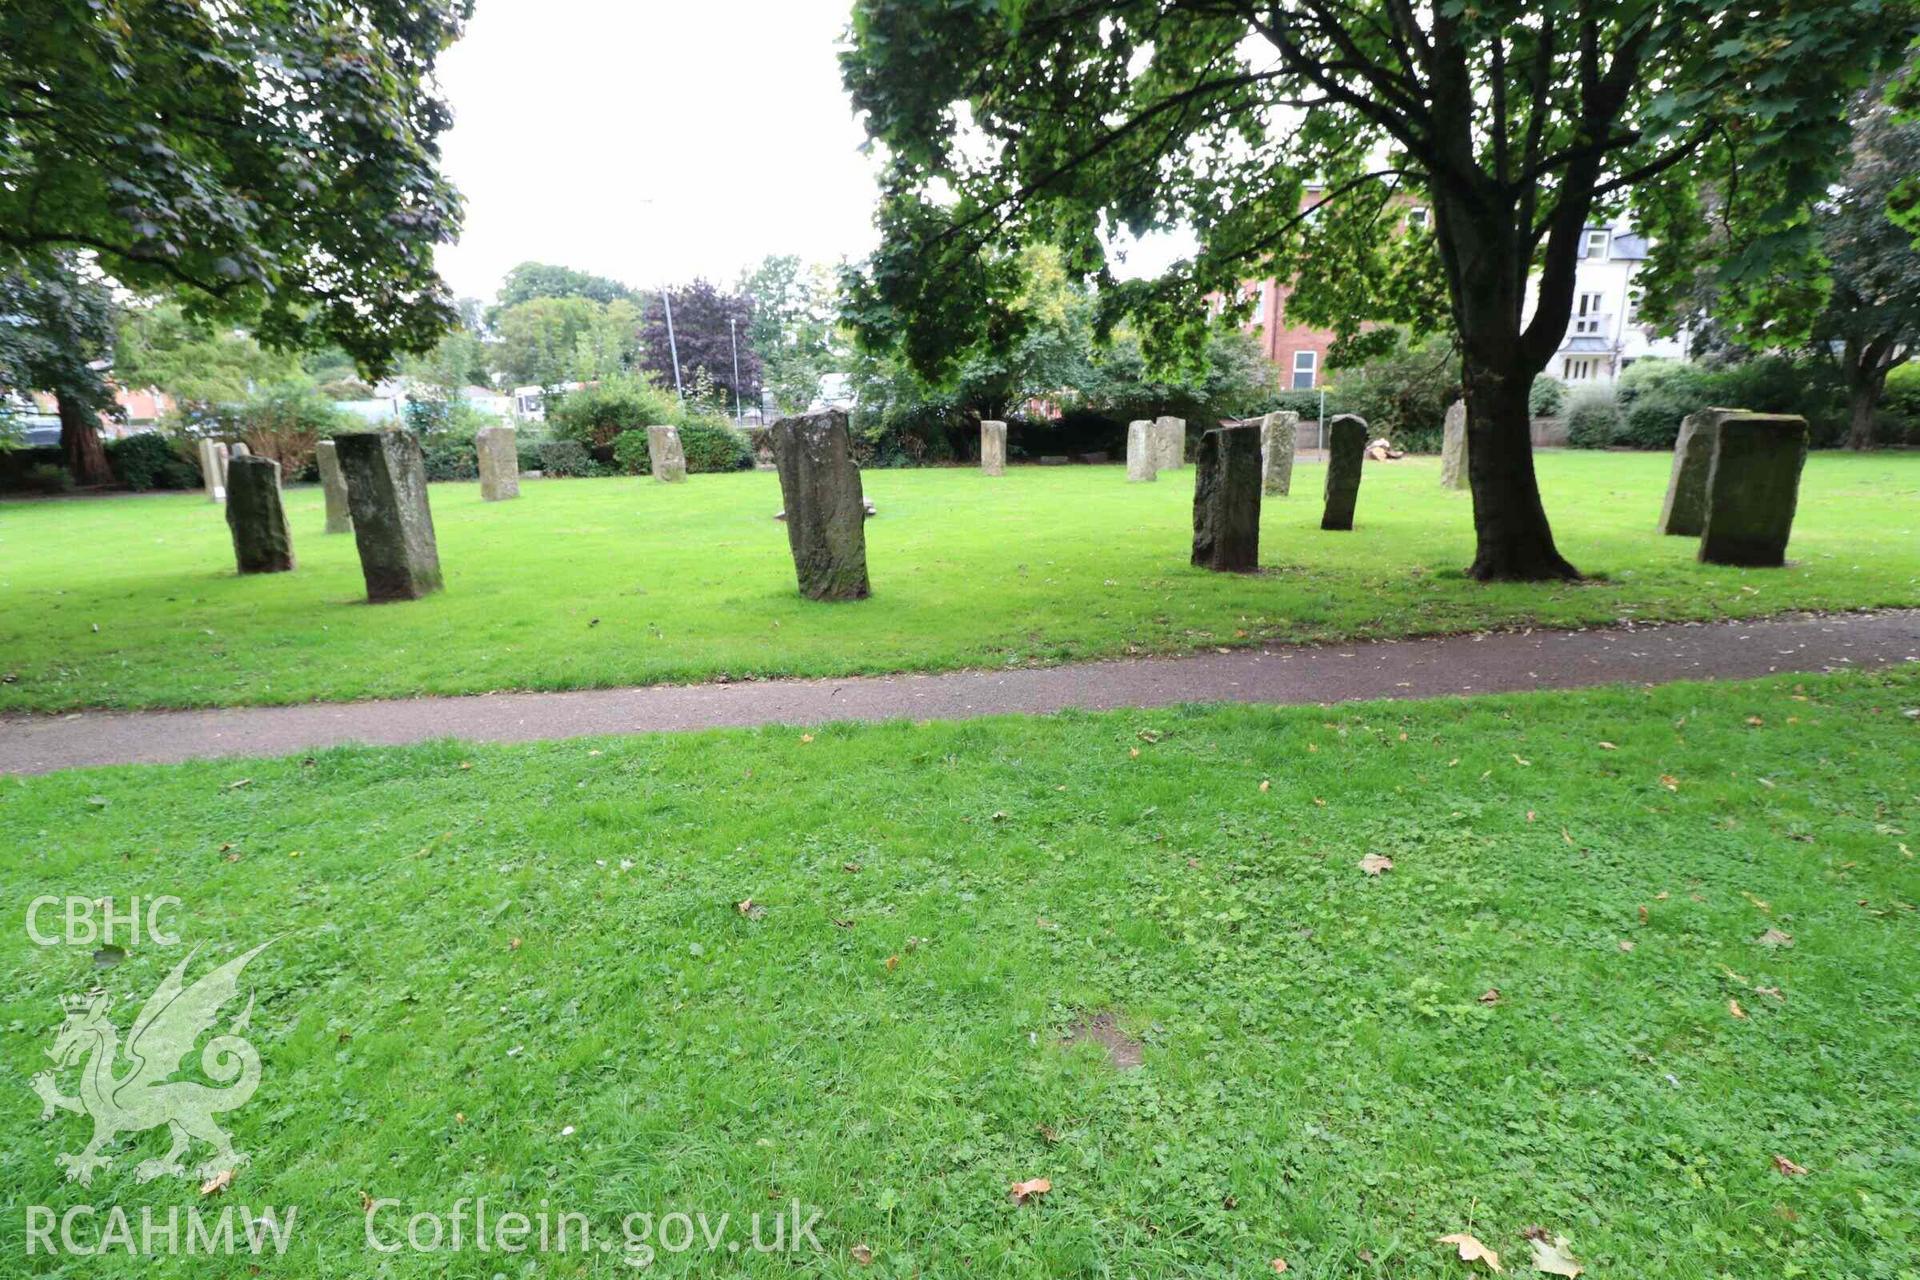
134, 602
525, 973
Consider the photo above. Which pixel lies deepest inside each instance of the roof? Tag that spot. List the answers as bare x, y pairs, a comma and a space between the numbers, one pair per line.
1629, 246
1588, 343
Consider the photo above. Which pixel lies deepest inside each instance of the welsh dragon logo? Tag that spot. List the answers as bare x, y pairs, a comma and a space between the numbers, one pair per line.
144, 1097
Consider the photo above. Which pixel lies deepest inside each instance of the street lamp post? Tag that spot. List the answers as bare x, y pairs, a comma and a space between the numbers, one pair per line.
734, 342
673, 348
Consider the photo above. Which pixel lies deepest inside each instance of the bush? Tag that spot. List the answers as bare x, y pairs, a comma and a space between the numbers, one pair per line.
631, 456
712, 444
150, 461
1547, 397
594, 417
1403, 395
565, 458
451, 460
46, 477
1593, 419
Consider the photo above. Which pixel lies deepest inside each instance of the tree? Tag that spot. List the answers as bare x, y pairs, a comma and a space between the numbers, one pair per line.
537, 341
1520, 122
268, 159
56, 335
200, 365
532, 280
703, 339
795, 329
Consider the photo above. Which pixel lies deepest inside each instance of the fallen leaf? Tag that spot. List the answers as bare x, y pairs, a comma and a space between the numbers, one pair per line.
366, 1203
851, 868
459, 1117
893, 962
1149, 735
222, 1180
1133, 753
1471, 1250
1517, 760
1626, 944
1566, 835
1608, 746
1661, 896
1265, 785
1491, 996
1643, 914
1733, 1007
1279, 1266
1024, 1191
1755, 721
1786, 1168
513, 944
749, 908
806, 737
1555, 1258
1774, 938
1374, 863
1670, 782
862, 1255
243, 782
1769, 991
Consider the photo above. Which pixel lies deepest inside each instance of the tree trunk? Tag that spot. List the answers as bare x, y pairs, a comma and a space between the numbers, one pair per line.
1864, 388
1514, 542
85, 457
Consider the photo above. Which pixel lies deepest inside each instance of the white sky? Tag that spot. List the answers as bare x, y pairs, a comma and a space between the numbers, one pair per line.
592, 133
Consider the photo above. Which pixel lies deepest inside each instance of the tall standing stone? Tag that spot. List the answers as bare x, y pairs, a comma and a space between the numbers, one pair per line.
240, 450
668, 458
1453, 447
1277, 431
392, 526
1226, 499
825, 510
1140, 452
1753, 487
213, 469
333, 487
256, 517
993, 447
498, 453
1170, 448
1684, 512
1346, 453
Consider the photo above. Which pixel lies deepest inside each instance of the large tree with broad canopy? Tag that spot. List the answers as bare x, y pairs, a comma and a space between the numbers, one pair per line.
1519, 122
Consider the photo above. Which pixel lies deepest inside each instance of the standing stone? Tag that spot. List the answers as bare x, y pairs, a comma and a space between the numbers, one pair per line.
1277, 432
1684, 512
1753, 486
1170, 450
825, 510
1346, 453
333, 486
1140, 452
1453, 447
240, 450
499, 457
993, 447
1226, 499
669, 459
392, 526
255, 516
210, 473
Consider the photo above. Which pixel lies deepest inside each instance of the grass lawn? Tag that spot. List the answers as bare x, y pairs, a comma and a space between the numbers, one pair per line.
525, 973
134, 602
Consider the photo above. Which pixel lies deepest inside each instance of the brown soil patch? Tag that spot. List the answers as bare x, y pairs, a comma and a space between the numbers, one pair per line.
1124, 1053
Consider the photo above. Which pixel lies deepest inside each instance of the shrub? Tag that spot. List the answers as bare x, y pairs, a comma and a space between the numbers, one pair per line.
712, 444
449, 459
284, 423
46, 477
565, 458
149, 461
1403, 395
631, 456
1648, 378
1593, 419
594, 417
1547, 397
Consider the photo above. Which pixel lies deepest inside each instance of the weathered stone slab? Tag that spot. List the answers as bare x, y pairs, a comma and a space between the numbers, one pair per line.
333, 487
392, 525
1346, 454
993, 447
1277, 432
1684, 511
239, 450
1140, 452
668, 458
1453, 447
1170, 448
213, 469
1753, 487
1226, 499
256, 517
825, 510
498, 452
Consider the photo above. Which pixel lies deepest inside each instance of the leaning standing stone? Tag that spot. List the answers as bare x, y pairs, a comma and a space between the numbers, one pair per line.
1170, 451
392, 526
1140, 452
333, 486
1226, 499
499, 456
993, 447
1684, 512
669, 459
1346, 452
255, 516
213, 471
1453, 447
1753, 486
1276, 452
825, 510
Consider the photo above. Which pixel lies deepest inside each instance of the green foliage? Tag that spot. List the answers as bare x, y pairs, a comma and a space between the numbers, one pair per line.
1547, 396
1404, 394
794, 328
714, 444
549, 342
451, 458
275, 159
56, 328
532, 280
594, 416
1593, 419
631, 456
196, 362
46, 477
150, 460
564, 458
282, 423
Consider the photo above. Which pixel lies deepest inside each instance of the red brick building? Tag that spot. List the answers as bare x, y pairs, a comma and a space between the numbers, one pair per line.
1300, 352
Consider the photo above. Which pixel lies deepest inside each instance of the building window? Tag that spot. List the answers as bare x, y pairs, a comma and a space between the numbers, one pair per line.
1635, 297
1579, 369
1587, 318
1305, 365
1597, 242
1417, 218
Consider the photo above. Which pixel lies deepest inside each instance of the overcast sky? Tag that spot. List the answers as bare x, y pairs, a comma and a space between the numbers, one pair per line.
597, 134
